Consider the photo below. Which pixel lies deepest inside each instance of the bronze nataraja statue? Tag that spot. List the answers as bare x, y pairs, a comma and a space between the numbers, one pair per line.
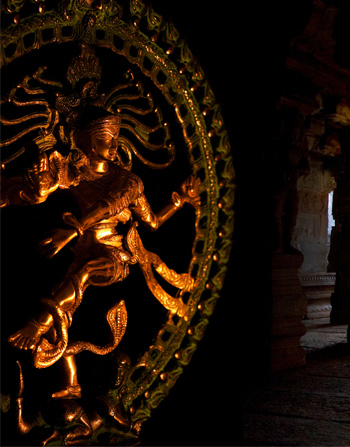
109, 196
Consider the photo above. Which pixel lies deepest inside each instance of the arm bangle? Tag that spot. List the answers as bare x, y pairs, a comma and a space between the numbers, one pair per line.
73, 222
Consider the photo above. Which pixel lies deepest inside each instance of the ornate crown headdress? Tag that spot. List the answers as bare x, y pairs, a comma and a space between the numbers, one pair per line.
64, 115
84, 66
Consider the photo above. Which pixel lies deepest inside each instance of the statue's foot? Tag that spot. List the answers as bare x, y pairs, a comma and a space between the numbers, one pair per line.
69, 392
29, 336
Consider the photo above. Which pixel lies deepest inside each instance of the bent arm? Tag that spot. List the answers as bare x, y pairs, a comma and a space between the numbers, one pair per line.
188, 194
44, 177
143, 211
15, 191
25, 190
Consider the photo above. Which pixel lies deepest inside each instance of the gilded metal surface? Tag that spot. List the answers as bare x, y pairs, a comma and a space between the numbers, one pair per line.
103, 153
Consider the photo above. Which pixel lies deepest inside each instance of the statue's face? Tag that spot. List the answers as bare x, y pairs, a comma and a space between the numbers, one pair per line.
104, 142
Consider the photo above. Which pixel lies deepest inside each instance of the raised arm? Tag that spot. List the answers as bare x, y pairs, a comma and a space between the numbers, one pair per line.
40, 180
188, 194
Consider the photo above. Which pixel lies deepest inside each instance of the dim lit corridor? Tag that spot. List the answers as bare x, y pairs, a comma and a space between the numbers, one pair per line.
306, 406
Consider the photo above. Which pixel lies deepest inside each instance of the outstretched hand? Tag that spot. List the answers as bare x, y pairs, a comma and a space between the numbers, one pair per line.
57, 239
41, 178
190, 191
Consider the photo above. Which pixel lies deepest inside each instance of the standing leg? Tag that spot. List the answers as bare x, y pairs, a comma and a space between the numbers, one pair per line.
71, 388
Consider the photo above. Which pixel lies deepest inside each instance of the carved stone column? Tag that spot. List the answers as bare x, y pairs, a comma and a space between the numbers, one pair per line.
311, 230
289, 308
311, 237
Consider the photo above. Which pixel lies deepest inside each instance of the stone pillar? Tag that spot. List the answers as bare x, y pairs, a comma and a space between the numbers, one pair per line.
311, 237
289, 308
311, 231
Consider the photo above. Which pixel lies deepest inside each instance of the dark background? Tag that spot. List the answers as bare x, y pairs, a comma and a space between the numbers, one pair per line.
242, 47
